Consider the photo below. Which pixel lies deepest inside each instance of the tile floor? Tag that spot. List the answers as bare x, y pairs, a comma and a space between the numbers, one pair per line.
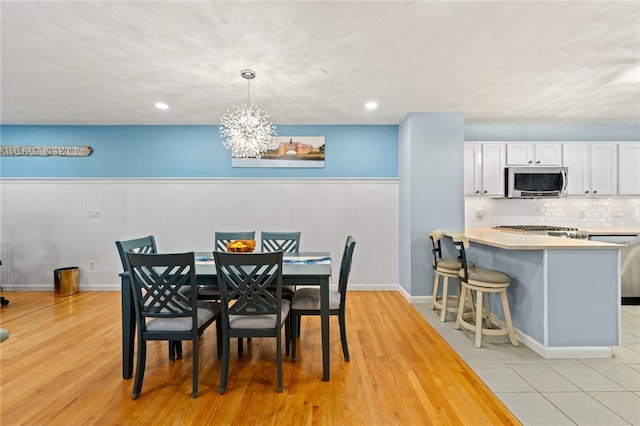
541, 391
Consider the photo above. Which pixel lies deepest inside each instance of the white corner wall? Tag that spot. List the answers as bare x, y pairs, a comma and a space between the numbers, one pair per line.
45, 224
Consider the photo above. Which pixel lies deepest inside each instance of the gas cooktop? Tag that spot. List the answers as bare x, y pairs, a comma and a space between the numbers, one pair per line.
555, 231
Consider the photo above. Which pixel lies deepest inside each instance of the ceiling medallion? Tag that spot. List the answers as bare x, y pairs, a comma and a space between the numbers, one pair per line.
246, 129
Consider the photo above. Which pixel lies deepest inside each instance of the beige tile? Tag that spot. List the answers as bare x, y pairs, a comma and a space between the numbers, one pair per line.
626, 355
583, 409
633, 346
624, 404
501, 378
586, 378
532, 409
544, 378
624, 375
626, 338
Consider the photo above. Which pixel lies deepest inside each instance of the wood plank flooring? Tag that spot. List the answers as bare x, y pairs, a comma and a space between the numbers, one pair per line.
62, 366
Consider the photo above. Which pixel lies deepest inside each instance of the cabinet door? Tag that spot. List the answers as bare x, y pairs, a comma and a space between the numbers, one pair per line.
604, 173
575, 156
472, 169
629, 168
493, 163
548, 154
520, 154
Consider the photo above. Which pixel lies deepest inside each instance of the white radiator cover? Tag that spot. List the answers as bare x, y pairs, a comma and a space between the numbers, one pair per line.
45, 223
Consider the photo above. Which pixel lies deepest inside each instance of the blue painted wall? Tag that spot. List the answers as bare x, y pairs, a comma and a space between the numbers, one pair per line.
352, 151
431, 190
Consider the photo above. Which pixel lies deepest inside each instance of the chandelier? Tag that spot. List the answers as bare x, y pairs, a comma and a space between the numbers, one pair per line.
246, 129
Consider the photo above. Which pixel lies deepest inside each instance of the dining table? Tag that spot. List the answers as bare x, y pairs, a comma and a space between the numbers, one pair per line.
303, 268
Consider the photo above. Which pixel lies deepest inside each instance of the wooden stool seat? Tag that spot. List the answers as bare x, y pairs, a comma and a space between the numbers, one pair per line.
483, 282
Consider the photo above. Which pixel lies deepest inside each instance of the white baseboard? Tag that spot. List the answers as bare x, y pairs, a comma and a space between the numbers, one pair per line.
369, 287
116, 287
559, 352
42, 287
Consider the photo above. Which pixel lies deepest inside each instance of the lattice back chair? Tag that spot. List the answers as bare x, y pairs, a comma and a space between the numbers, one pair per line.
287, 242
306, 301
249, 307
144, 245
138, 245
220, 244
163, 311
224, 238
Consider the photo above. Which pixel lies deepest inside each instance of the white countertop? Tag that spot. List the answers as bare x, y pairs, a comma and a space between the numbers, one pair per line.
512, 241
612, 231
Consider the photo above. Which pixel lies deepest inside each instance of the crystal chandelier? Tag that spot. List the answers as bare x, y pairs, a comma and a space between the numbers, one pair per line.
246, 129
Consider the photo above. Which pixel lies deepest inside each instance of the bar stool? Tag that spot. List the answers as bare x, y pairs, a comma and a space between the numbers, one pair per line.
445, 268
482, 281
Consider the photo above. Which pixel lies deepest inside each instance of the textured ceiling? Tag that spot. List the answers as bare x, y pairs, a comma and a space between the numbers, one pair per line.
87, 62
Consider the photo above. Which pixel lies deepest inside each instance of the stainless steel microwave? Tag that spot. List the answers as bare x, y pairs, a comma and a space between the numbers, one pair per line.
535, 182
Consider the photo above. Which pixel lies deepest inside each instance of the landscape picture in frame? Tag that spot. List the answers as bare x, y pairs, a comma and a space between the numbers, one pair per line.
288, 151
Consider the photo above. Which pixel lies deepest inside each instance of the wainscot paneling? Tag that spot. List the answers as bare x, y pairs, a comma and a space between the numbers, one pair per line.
46, 224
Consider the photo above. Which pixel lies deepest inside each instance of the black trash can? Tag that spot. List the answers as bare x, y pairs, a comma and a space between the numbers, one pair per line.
66, 281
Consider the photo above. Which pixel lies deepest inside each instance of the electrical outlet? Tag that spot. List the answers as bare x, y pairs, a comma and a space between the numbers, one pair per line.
618, 213
95, 214
479, 211
92, 264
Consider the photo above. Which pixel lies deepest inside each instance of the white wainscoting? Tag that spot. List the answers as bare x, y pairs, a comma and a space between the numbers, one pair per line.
45, 224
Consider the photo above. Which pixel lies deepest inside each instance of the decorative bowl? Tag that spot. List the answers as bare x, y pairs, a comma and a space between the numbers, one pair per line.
241, 246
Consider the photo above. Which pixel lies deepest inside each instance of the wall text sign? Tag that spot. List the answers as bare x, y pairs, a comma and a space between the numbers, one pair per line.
45, 151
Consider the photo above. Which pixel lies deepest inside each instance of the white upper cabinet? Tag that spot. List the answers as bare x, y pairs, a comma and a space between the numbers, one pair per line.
472, 169
629, 168
534, 154
592, 168
484, 165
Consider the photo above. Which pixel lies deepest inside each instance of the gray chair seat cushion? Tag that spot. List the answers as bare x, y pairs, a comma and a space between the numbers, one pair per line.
205, 313
4, 334
308, 298
485, 275
451, 263
259, 321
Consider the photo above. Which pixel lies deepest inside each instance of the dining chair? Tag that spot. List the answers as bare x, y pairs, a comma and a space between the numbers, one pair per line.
287, 242
163, 312
221, 240
306, 301
224, 238
249, 308
144, 245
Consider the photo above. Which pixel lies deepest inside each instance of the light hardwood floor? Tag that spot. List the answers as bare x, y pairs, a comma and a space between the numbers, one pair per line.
61, 366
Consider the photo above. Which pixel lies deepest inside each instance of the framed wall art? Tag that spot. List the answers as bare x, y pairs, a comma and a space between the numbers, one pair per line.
288, 151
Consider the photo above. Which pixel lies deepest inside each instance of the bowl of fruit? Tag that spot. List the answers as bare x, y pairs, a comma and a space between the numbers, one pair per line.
241, 246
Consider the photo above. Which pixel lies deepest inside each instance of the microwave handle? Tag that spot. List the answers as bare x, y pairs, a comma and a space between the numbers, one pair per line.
564, 180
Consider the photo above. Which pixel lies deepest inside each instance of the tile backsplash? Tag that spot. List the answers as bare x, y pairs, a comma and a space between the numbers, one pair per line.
585, 212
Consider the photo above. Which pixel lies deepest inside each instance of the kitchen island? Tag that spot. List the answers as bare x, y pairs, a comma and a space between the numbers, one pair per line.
564, 294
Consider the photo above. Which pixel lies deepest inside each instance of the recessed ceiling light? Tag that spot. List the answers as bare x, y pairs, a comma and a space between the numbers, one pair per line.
371, 105
161, 105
